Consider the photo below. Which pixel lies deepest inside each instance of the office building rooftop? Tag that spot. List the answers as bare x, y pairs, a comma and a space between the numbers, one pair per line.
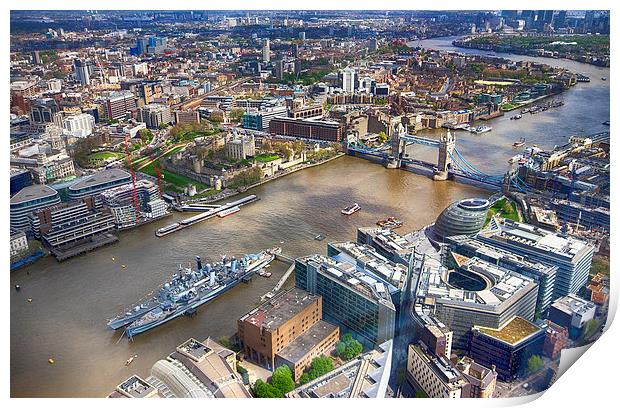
99, 178
363, 377
299, 347
135, 387
526, 235
514, 332
499, 285
348, 275
194, 349
368, 260
487, 251
207, 361
440, 365
571, 304
280, 309
32, 193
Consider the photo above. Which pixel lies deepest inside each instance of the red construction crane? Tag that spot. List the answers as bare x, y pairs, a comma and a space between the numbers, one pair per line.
133, 179
158, 172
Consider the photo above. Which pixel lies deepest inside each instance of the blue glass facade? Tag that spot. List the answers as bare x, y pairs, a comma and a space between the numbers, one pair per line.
368, 320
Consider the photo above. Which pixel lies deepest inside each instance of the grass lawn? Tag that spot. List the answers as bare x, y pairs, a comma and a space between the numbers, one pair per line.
498, 83
177, 180
266, 158
509, 106
105, 155
505, 209
193, 134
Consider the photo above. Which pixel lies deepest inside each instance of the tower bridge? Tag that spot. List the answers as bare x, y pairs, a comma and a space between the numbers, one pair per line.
450, 162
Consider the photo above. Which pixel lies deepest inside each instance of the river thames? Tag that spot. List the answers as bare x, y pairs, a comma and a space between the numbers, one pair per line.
72, 300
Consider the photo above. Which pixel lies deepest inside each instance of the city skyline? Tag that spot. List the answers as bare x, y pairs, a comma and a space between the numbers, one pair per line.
383, 204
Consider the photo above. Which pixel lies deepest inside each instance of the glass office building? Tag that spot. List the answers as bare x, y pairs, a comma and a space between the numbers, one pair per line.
572, 256
508, 348
465, 217
357, 302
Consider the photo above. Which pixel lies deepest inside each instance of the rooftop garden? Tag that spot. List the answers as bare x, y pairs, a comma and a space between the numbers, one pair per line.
505, 209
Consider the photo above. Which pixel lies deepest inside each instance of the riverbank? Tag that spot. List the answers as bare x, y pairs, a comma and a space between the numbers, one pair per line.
294, 169
503, 49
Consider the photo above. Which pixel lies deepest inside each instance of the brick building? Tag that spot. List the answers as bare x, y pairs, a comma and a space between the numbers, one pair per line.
287, 329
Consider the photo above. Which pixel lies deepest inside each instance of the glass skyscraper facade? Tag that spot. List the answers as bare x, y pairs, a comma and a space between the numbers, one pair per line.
350, 299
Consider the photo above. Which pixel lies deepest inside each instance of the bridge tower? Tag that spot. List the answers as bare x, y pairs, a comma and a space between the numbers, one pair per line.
398, 146
444, 160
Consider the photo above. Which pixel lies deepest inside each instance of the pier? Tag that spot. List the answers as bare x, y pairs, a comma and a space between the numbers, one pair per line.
283, 279
209, 213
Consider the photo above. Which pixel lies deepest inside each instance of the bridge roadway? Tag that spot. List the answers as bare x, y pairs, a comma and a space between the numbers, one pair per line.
486, 180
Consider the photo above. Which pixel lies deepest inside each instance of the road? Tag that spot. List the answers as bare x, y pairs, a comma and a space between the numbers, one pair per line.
536, 383
405, 328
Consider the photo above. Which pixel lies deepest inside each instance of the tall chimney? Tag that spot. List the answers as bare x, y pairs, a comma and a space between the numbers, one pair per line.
198, 263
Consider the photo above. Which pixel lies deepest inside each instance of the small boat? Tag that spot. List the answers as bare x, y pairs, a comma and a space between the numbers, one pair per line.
319, 237
17, 288
123, 266
130, 360
351, 209
167, 229
51, 361
516, 117
515, 158
481, 129
518, 143
606, 123
228, 212
267, 274
390, 222
604, 79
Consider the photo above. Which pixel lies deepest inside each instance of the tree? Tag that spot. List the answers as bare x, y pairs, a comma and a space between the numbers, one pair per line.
589, 329
383, 137
535, 363
236, 115
348, 348
225, 341
340, 348
266, 390
282, 379
299, 146
246, 177
337, 147
145, 135
420, 394
82, 148
320, 366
